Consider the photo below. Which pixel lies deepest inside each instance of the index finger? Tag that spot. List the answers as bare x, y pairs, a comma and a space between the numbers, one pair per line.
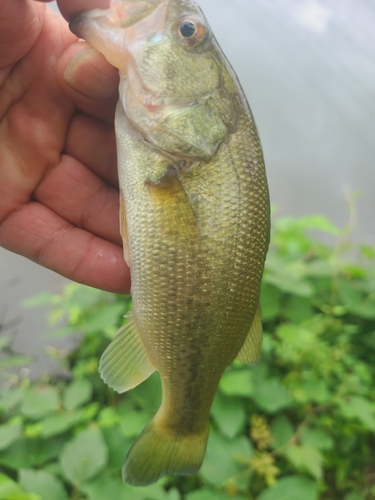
69, 8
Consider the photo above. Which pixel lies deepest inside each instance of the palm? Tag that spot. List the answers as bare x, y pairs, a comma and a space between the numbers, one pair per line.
58, 193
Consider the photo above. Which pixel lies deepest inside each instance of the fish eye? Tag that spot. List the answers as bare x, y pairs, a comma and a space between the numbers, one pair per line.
192, 31
188, 29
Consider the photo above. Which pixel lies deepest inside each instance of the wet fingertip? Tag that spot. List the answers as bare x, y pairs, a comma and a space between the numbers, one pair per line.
88, 73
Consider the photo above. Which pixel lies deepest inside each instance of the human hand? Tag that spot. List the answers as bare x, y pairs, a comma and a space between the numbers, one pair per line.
58, 181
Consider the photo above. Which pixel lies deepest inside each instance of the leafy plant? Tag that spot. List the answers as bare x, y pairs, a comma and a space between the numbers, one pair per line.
298, 426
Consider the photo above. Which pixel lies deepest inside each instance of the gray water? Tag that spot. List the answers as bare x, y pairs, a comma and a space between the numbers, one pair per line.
308, 69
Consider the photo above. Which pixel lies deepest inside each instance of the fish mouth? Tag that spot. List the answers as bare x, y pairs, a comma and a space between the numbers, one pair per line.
131, 12
121, 14
111, 30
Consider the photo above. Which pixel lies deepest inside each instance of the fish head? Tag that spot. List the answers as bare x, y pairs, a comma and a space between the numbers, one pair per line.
175, 87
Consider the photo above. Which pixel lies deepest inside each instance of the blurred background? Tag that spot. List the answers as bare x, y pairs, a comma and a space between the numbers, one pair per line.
308, 70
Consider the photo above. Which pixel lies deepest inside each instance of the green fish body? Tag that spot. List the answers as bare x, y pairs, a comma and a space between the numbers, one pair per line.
194, 221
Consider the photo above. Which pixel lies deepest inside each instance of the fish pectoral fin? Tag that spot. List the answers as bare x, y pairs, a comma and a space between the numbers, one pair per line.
125, 364
250, 351
124, 231
173, 209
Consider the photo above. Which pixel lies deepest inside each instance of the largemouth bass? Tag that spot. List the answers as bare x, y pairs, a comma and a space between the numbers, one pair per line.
194, 221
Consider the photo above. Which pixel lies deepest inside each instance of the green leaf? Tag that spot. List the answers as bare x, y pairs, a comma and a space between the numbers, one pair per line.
106, 487
40, 402
78, 393
229, 414
298, 309
237, 383
270, 394
355, 300
268, 344
364, 309
83, 296
152, 492
270, 298
355, 496
316, 438
60, 333
311, 390
89, 411
360, 408
318, 222
305, 458
53, 468
281, 430
348, 292
43, 484
291, 488
60, 423
367, 251
84, 456
118, 445
173, 494
105, 316
42, 299
11, 398
148, 394
26, 453
9, 490
108, 417
319, 268
9, 434
133, 422
296, 341
225, 459
287, 283
15, 361
206, 494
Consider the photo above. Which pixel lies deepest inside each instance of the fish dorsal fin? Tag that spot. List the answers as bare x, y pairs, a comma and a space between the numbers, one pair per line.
250, 351
124, 364
124, 230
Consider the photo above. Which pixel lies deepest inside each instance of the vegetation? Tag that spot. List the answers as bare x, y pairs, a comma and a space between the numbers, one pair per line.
298, 426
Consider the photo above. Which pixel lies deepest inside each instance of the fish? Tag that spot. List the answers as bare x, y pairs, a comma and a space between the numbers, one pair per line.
194, 217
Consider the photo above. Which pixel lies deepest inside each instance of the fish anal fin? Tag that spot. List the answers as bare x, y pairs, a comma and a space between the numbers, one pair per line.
250, 350
124, 230
125, 364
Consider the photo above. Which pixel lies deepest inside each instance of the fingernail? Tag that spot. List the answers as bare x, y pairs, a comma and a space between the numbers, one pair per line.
89, 73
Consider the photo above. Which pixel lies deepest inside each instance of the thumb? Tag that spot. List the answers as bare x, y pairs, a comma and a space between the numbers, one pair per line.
20, 25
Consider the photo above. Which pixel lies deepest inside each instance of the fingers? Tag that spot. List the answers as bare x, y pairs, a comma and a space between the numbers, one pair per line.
20, 25
93, 143
87, 72
36, 116
69, 8
77, 195
89, 80
42, 236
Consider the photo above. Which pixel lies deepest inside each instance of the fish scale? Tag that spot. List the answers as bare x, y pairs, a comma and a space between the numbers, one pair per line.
194, 220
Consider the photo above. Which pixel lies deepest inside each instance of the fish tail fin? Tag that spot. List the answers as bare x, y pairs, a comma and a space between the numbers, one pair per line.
159, 451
